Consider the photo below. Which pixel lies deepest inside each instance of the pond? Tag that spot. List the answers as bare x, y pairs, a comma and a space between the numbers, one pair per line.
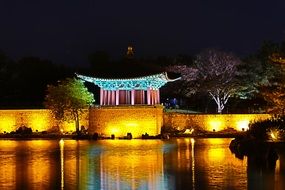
183, 163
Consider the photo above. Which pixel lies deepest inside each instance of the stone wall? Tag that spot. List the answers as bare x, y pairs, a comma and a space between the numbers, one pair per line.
120, 120
211, 122
37, 119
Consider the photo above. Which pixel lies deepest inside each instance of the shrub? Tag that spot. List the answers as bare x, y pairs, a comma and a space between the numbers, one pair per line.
273, 128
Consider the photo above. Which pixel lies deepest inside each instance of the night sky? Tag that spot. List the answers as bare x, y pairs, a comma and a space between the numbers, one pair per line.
66, 31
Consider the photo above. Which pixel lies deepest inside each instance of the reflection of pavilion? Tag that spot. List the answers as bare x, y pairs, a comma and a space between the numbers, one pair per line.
113, 165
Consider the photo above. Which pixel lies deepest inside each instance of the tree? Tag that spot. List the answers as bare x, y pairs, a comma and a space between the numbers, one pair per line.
3, 68
274, 91
32, 74
7, 80
186, 85
216, 75
256, 70
68, 99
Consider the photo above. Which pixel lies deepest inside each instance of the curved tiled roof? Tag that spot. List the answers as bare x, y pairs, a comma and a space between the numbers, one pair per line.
139, 83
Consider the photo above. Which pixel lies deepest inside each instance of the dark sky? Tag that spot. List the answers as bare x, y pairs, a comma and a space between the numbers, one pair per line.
65, 31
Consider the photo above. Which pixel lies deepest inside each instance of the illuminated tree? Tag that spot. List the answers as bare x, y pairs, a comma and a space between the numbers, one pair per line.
265, 75
68, 99
274, 91
256, 70
186, 85
275, 96
216, 74
251, 74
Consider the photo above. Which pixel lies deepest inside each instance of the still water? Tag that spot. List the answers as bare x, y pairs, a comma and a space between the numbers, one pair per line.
132, 164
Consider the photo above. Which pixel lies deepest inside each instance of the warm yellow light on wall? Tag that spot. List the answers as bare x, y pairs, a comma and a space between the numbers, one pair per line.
39, 122
7, 124
131, 124
114, 131
136, 128
68, 127
215, 125
242, 125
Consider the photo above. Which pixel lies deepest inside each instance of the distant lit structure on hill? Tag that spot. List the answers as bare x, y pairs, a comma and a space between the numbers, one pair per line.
130, 52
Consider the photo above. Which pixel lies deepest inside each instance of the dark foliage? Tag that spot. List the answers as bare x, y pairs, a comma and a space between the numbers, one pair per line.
260, 129
24, 130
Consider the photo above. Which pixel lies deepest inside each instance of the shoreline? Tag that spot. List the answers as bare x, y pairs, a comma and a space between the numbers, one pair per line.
91, 137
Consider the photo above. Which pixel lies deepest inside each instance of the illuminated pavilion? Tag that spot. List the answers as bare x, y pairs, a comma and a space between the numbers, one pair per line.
128, 83
129, 93
142, 90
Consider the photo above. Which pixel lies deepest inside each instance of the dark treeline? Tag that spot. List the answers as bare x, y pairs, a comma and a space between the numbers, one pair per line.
24, 82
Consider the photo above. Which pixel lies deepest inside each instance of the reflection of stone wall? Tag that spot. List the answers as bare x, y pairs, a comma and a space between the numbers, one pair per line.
211, 121
120, 120
37, 119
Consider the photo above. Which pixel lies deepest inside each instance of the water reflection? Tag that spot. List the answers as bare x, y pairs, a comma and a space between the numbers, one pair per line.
61, 145
132, 164
24, 165
263, 168
211, 165
114, 164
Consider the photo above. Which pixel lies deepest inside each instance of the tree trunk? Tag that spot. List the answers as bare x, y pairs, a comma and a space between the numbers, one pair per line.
219, 109
220, 100
77, 124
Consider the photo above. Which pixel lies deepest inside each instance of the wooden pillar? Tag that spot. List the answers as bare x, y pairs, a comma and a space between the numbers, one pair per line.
133, 97
141, 96
144, 101
154, 97
109, 97
117, 97
122, 97
148, 96
105, 98
126, 96
101, 96
113, 100
158, 96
